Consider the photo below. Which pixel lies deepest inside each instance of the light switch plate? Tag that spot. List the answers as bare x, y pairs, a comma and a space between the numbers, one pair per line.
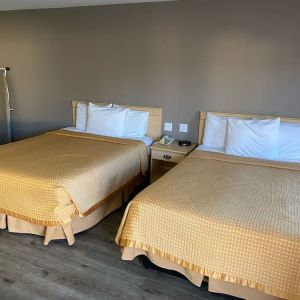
183, 127
168, 126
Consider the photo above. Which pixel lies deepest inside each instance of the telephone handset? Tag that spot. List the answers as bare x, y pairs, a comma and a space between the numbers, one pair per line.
166, 140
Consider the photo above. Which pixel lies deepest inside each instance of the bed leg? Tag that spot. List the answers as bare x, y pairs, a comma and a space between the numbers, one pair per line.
2, 221
67, 228
49, 232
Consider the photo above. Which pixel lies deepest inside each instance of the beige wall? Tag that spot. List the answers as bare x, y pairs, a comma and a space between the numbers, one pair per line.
186, 56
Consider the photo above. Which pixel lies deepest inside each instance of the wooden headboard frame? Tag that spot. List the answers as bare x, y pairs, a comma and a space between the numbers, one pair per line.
241, 116
154, 123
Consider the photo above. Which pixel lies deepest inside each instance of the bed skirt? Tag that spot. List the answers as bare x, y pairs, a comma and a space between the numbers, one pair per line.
78, 224
214, 285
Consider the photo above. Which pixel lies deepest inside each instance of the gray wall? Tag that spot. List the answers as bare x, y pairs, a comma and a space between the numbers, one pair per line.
185, 56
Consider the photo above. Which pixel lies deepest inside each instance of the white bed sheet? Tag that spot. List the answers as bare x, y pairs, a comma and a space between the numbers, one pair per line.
219, 150
147, 140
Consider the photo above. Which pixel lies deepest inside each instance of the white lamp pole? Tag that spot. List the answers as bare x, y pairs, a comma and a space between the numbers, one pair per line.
7, 104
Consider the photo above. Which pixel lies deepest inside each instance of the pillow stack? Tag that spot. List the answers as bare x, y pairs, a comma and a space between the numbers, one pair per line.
257, 138
111, 120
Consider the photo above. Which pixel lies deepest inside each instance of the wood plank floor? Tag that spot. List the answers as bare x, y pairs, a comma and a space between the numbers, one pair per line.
91, 269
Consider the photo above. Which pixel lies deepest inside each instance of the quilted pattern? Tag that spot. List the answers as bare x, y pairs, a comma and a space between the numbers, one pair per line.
52, 177
229, 218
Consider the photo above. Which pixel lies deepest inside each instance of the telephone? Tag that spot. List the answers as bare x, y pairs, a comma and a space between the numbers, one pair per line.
166, 140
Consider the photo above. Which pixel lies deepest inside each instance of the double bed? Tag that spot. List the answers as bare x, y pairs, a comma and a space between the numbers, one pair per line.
234, 221
65, 181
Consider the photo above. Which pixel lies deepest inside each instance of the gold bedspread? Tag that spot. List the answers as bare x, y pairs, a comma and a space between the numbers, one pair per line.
233, 219
50, 178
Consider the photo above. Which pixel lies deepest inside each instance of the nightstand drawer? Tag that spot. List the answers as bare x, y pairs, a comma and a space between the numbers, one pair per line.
167, 156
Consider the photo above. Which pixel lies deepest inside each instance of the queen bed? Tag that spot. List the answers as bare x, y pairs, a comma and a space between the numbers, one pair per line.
228, 219
65, 181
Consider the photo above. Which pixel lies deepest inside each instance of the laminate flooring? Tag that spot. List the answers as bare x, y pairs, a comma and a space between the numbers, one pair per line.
90, 269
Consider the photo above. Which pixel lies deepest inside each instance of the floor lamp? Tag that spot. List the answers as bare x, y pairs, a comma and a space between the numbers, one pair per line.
8, 109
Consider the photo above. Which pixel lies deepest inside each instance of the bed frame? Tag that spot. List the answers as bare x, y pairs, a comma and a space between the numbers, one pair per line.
154, 122
241, 116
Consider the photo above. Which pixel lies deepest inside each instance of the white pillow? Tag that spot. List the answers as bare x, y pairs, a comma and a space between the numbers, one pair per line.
136, 122
215, 131
81, 116
289, 141
253, 138
106, 121
82, 112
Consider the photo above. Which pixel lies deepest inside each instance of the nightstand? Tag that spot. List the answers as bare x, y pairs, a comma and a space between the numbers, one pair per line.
165, 157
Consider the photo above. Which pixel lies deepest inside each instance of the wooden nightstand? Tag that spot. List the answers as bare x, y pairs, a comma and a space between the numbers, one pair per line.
165, 157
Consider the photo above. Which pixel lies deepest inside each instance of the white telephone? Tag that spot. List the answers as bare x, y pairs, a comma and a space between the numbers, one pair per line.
166, 140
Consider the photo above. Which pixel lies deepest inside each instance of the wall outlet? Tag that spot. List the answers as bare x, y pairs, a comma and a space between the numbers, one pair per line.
168, 126
183, 127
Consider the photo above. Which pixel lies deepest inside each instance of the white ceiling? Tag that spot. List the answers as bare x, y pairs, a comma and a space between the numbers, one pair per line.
35, 4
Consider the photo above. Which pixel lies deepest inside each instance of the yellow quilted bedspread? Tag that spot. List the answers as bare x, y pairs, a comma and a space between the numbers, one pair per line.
233, 219
50, 178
